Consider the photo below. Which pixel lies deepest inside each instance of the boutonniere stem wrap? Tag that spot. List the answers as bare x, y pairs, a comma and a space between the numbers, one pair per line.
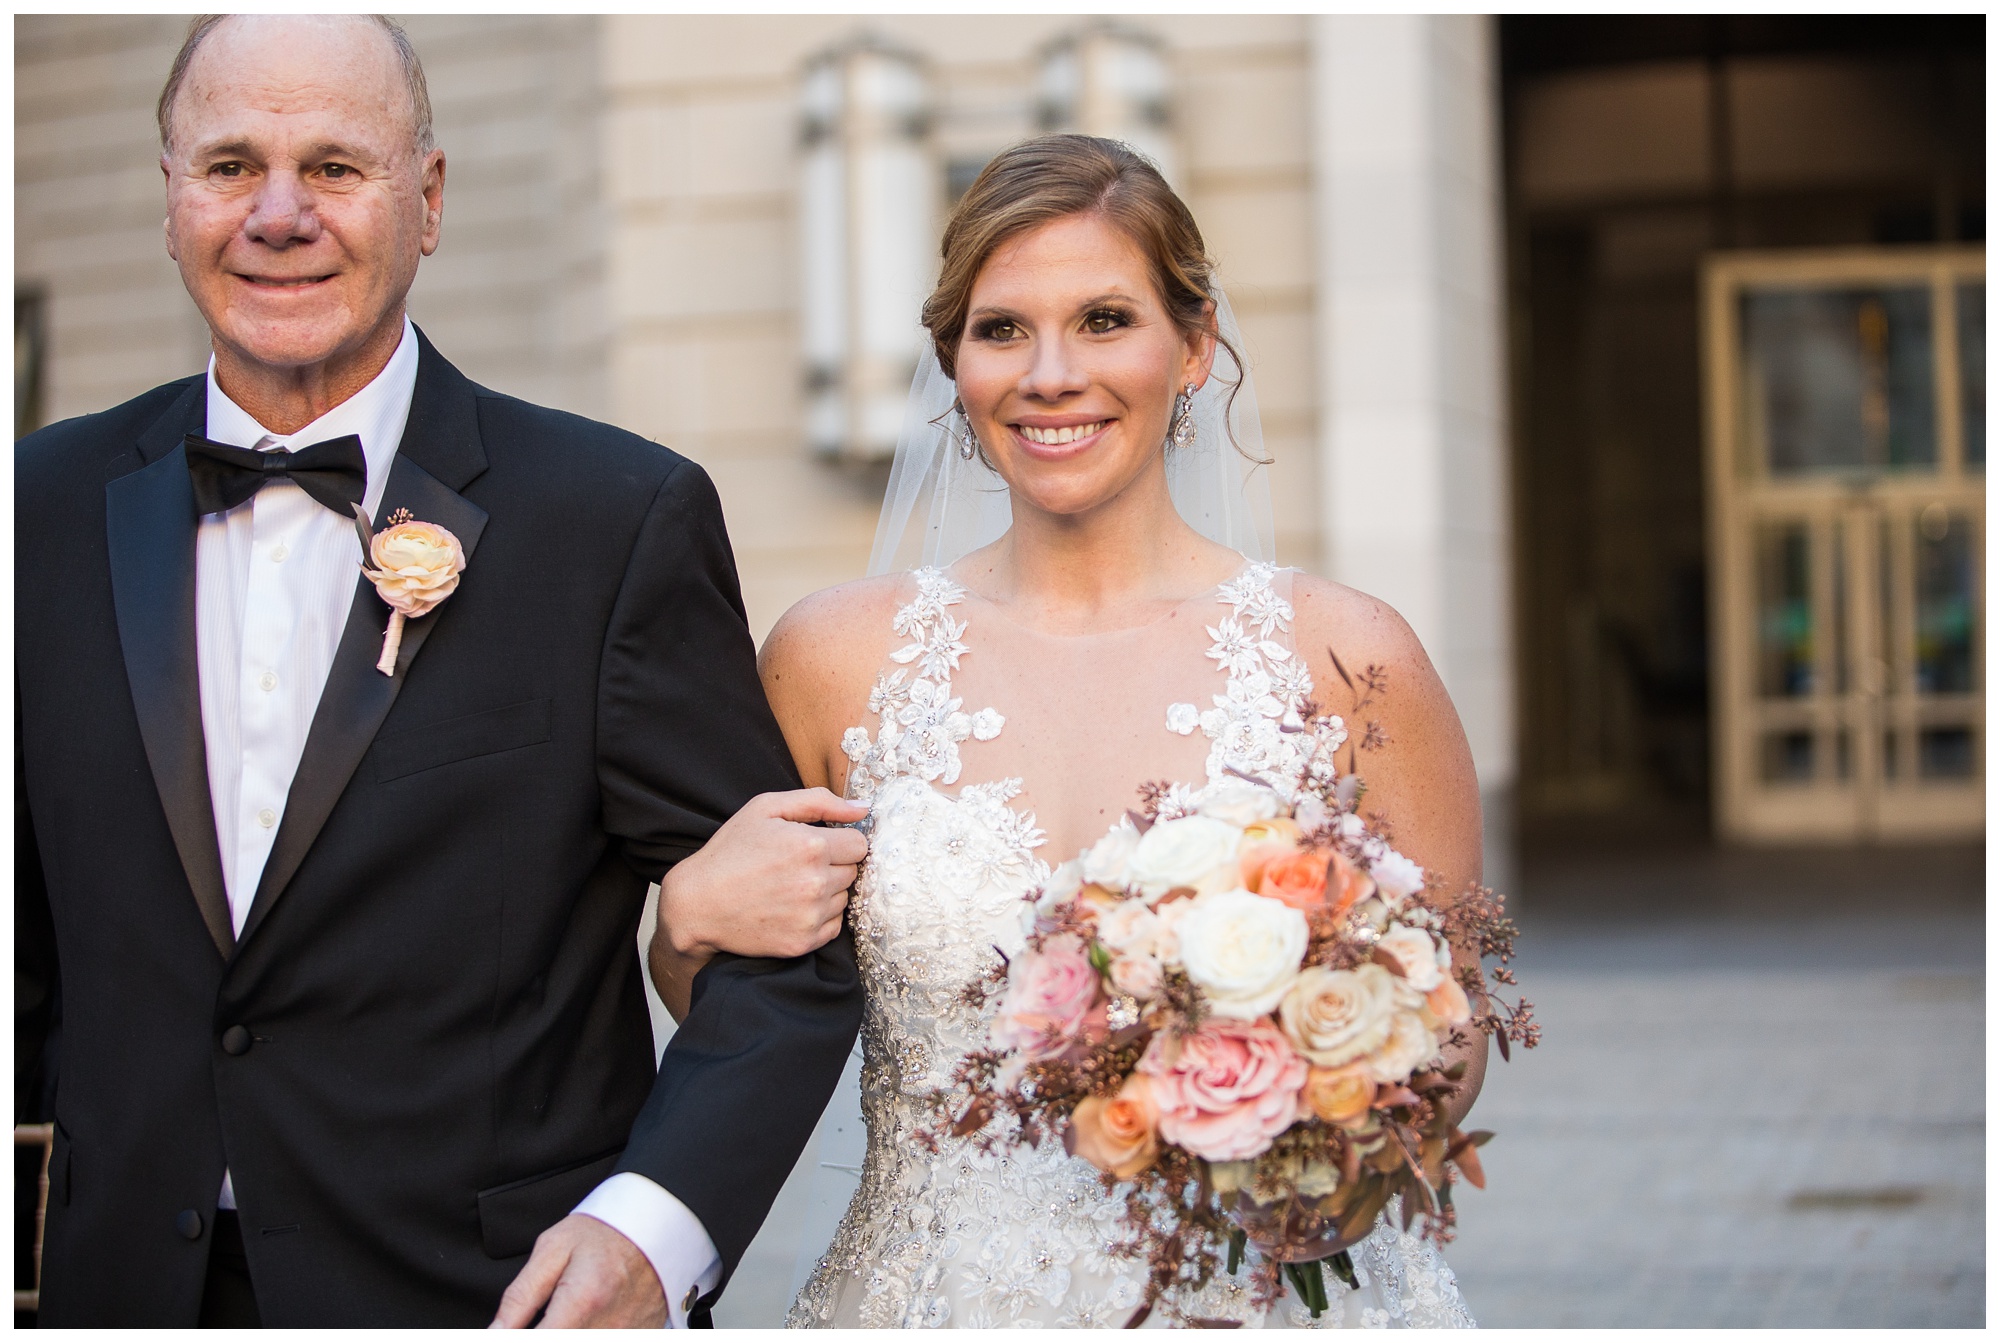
415, 567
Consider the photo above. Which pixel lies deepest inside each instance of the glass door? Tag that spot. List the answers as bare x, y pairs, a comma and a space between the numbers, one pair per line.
1846, 490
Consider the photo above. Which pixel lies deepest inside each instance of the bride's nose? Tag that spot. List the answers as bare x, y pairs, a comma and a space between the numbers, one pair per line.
1055, 372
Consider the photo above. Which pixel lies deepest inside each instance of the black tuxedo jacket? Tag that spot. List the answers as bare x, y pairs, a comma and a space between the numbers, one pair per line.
431, 1039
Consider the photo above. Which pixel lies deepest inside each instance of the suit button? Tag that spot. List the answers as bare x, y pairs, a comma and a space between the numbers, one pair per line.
188, 1224
235, 1040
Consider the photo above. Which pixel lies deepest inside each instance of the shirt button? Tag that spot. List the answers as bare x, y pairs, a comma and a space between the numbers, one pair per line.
267, 818
279, 553
268, 681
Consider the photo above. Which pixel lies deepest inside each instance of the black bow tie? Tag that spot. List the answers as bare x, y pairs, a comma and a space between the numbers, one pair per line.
334, 473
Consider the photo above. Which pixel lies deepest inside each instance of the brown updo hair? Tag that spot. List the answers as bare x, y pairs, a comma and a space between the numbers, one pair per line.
1054, 177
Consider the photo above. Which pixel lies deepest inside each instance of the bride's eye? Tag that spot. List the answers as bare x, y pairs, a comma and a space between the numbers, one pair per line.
995, 328
1104, 320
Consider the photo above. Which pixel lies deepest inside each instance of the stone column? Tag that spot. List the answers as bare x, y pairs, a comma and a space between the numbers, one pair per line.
1412, 434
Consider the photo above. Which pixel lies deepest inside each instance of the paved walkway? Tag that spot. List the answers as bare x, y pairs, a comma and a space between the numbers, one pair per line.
1739, 1124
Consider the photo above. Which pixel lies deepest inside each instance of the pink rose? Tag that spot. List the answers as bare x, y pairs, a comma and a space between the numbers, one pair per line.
1232, 1087
1049, 993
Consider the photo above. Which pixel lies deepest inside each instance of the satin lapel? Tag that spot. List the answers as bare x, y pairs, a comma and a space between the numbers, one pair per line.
357, 697
150, 530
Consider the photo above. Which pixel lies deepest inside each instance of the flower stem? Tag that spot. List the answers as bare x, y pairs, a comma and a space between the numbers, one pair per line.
392, 643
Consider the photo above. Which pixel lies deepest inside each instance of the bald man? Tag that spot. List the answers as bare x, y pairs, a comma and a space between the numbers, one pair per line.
351, 1029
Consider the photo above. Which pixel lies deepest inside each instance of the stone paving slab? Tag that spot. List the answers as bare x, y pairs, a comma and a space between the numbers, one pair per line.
1799, 1145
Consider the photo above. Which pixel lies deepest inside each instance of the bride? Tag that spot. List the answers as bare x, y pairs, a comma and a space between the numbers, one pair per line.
1094, 609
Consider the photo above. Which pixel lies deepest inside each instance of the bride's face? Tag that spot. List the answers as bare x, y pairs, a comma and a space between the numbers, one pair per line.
1070, 363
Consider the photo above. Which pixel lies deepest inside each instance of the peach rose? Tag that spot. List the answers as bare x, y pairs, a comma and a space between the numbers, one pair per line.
1340, 1095
1348, 885
1447, 1004
417, 565
1049, 994
1297, 879
1233, 1087
1119, 1134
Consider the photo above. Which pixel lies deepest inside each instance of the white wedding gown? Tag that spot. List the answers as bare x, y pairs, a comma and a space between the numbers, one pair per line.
1019, 1236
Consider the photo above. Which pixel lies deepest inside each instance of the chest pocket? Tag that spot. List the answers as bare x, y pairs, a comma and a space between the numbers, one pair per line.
489, 732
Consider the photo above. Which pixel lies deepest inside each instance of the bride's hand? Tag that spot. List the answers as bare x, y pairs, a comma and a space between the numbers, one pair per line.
768, 883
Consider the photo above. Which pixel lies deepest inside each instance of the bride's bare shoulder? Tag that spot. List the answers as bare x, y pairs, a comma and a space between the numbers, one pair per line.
1333, 620
832, 642
1358, 627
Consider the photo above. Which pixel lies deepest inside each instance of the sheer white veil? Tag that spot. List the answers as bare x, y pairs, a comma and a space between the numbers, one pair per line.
939, 506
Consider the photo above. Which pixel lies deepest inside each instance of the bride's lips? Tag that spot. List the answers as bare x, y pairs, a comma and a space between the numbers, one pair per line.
1087, 435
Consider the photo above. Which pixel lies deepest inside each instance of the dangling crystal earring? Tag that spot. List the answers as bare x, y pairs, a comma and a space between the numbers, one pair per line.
960, 429
1183, 432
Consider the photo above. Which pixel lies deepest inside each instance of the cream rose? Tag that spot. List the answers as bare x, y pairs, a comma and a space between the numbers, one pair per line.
1194, 851
1130, 925
1410, 1045
1334, 1017
1104, 862
417, 565
1139, 975
1236, 802
1423, 960
1242, 950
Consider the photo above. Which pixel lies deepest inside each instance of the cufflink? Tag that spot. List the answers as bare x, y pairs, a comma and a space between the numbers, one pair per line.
687, 1302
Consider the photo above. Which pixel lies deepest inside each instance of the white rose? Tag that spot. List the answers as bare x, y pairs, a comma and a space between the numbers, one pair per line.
1195, 851
1183, 719
1237, 802
1242, 950
1104, 862
1410, 1045
1396, 875
1417, 953
1130, 926
1333, 1017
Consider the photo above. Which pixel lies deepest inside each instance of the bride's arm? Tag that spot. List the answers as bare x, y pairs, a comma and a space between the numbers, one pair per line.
1421, 779
816, 665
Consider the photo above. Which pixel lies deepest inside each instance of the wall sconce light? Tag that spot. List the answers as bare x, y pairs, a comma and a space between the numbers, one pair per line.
1111, 80
868, 206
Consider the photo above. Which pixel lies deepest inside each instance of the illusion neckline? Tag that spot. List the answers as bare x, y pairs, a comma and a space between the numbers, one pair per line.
990, 608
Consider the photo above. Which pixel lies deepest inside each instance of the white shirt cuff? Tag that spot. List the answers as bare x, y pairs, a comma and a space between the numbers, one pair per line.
672, 1238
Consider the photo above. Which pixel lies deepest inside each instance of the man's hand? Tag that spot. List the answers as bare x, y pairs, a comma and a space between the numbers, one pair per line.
768, 883
589, 1277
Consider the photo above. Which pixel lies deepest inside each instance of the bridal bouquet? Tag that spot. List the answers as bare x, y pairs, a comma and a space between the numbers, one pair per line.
1235, 1005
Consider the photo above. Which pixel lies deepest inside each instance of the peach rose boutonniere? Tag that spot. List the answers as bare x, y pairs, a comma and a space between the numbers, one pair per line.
417, 565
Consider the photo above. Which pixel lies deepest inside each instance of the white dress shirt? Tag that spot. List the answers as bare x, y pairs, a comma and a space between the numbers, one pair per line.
274, 578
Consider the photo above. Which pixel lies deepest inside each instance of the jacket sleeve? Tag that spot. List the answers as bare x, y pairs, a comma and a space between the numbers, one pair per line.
686, 738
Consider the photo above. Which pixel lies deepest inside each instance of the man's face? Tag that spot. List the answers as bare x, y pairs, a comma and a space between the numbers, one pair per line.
297, 205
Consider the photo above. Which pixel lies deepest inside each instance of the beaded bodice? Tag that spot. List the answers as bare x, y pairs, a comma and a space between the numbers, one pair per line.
965, 1237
